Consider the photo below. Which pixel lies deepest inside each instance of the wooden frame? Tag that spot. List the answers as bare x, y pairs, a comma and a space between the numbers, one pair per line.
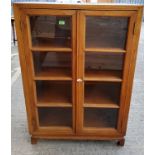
78, 13
82, 15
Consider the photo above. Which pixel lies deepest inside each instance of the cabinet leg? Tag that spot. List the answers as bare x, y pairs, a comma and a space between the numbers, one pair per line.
33, 140
121, 142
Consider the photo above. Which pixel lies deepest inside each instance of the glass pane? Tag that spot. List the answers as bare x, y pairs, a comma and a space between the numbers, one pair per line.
54, 92
102, 93
51, 31
103, 61
55, 117
106, 32
53, 64
107, 66
100, 118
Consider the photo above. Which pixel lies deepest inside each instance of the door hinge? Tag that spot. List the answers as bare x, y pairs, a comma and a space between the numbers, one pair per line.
134, 28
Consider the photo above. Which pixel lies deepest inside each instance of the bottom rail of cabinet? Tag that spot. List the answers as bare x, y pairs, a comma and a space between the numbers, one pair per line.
120, 140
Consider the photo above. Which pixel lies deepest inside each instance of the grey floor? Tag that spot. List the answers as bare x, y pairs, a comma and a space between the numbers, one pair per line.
135, 134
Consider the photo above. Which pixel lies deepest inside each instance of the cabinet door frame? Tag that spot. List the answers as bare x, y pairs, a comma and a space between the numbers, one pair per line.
25, 52
119, 131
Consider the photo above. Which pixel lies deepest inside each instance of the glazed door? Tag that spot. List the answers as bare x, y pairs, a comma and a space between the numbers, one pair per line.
104, 49
50, 50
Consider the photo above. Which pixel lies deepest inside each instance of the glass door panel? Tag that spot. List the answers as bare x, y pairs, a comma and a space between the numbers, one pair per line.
54, 93
51, 31
103, 48
55, 117
102, 94
100, 118
103, 66
106, 32
52, 47
53, 65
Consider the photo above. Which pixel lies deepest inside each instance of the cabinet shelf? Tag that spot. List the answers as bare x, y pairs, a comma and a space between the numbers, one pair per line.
44, 104
100, 105
112, 50
103, 75
54, 93
51, 44
50, 49
47, 73
102, 94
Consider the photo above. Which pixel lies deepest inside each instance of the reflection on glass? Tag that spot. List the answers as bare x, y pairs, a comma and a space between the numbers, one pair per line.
50, 31
100, 118
61, 117
102, 93
106, 32
54, 92
52, 63
98, 61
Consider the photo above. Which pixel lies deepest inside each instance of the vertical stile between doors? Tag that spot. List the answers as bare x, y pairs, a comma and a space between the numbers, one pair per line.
80, 70
74, 51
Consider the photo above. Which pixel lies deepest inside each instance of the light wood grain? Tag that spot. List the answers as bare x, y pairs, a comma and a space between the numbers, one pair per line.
113, 50
102, 93
49, 92
90, 98
48, 73
109, 6
100, 105
103, 75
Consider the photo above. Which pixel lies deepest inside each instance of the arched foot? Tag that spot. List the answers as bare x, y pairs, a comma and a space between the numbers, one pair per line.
33, 140
121, 142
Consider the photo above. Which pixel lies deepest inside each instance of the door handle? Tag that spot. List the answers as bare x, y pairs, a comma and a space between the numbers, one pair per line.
79, 80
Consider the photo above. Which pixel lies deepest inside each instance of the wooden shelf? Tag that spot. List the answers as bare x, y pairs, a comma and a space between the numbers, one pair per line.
53, 105
55, 117
100, 95
110, 50
108, 43
103, 75
48, 73
100, 118
54, 94
50, 49
51, 44
100, 105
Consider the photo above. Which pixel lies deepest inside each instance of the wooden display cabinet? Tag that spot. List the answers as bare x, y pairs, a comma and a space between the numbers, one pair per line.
77, 65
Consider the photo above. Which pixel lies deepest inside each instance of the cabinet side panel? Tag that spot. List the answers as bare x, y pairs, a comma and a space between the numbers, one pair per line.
132, 68
129, 71
18, 15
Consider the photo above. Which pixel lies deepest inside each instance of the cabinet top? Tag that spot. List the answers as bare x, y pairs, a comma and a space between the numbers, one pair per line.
77, 6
